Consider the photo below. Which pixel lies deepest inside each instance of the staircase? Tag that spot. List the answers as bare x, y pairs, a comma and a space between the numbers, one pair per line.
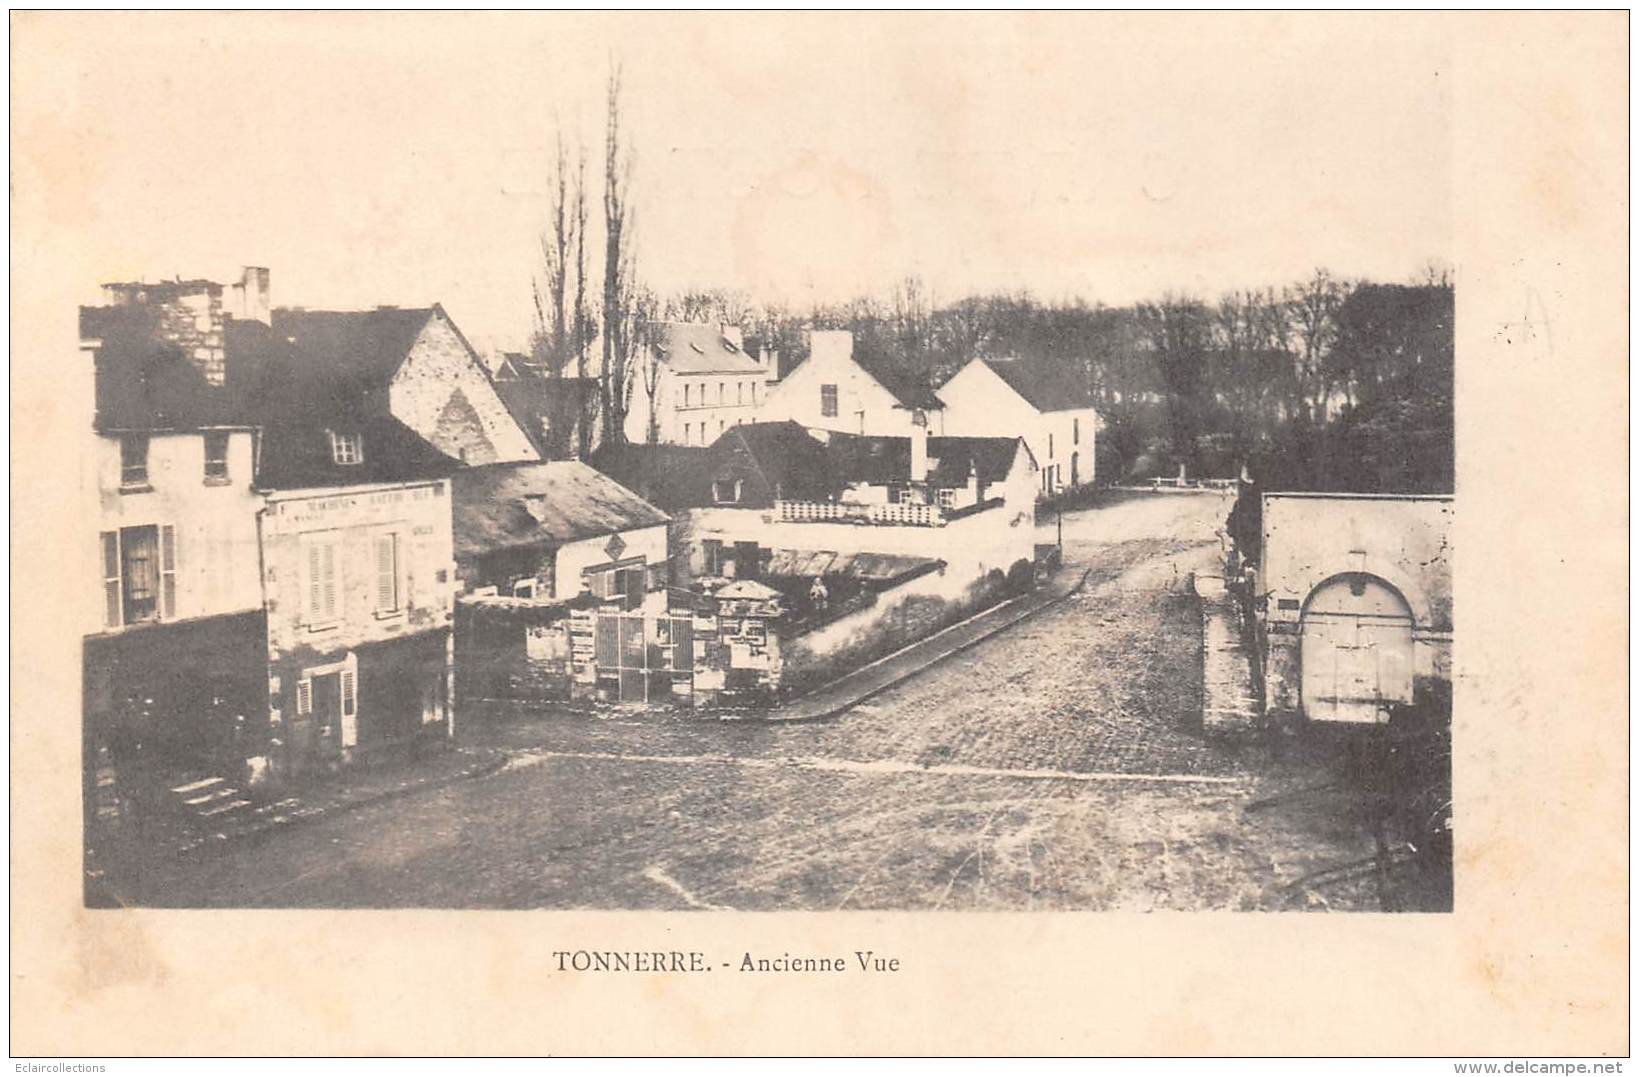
210, 801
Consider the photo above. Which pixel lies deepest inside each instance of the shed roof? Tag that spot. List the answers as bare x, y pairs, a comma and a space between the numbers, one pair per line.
503, 506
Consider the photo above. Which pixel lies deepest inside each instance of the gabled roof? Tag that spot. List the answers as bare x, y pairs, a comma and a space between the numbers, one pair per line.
298, 401
789, 458
909, 389
505, 506
1046, 384
362, 346
690, 348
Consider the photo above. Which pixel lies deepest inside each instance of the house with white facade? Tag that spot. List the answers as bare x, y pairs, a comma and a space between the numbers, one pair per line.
1043, 402
832, 390
175, 644
693, 383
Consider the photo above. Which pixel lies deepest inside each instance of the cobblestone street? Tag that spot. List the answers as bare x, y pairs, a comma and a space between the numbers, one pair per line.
1058, 764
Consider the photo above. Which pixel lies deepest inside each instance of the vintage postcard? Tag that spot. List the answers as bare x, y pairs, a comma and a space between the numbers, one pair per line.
1102, 531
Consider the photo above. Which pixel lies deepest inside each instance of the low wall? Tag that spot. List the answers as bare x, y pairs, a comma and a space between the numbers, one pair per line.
899, 617
511, 650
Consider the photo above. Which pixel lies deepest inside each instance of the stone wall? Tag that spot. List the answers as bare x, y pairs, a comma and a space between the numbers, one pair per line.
443, 393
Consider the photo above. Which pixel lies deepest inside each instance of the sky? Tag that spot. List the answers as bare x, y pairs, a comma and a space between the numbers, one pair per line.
380, 158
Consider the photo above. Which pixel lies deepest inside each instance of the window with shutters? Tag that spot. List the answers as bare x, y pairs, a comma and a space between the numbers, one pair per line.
138, 575
323, 585
828, 401
386, 560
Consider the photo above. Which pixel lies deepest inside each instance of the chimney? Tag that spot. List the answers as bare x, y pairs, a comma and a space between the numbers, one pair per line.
252, 299
769, 360
187, 313
919, 446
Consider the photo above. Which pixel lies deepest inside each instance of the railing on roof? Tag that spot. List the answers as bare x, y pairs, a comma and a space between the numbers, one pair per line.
891, 515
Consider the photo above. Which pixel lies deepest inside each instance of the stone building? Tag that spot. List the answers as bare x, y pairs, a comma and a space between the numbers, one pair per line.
1357, 611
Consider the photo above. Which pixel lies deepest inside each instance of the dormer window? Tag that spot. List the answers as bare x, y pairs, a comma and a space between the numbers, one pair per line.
726, 491
346, 449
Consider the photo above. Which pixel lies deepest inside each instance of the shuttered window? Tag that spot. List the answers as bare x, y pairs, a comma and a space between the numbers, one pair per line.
167, 570
349, 699
322, 587
111, 578
386, 573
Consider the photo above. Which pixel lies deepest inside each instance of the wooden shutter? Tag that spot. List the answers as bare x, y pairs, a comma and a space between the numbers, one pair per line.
349, 700
386, 573
328, 575
633, 579
111, 578
167, 569
304, 696
315, 585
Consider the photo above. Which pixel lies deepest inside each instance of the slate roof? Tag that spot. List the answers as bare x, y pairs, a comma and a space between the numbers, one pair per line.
1048, 385
689, 348
787, 458
574, 501
297, 401
911, 390
673, 477
365, 347
145, 383
880, 461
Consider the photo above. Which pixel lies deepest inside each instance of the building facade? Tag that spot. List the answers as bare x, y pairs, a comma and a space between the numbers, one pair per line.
360, 584
692, 384
1357, 610
831, 390
1035, 400
170, 481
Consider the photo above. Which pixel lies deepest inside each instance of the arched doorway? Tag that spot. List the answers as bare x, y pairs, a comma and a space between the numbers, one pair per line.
1356, 649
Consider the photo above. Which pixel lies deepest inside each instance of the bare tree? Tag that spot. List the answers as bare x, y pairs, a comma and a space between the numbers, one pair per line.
616, 377
581, 328
552, 330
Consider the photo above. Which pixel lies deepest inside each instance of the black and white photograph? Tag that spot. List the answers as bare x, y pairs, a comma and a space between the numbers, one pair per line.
763, 463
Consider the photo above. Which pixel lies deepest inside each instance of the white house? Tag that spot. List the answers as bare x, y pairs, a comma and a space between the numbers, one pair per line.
1040, 401
692, 384
830, 390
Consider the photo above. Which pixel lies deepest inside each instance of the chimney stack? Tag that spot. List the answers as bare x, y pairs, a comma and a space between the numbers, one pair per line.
919, 446
187, 313
252, 298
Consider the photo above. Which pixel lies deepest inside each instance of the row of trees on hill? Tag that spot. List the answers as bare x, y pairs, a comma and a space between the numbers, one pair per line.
1319, 384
